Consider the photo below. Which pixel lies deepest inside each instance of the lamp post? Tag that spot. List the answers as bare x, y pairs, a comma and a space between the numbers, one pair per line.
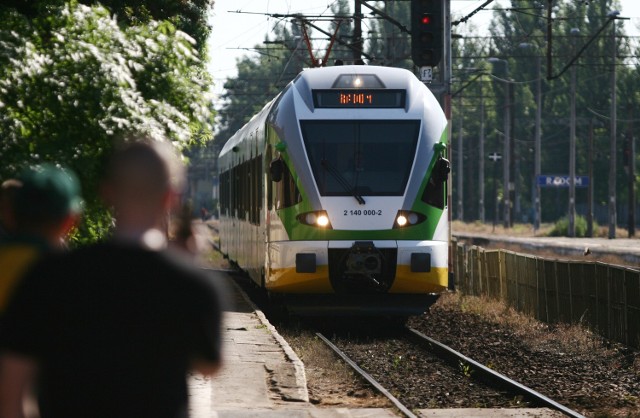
537, 208
507, 142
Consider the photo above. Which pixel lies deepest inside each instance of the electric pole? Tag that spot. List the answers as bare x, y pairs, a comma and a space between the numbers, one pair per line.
357, 32
572, 147
613, 150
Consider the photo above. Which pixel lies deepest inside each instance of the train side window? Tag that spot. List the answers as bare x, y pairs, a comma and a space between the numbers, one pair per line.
258, 179
287, 192
435, 192
234, 192
224, 193
268, 182
256, 190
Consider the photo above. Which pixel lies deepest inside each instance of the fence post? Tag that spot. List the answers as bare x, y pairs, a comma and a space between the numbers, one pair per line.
546, 297
555, 280
502, 273
609, 307
626, 308
597, 320
570, 270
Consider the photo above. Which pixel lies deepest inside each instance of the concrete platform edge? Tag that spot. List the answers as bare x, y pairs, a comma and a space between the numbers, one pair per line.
300, 375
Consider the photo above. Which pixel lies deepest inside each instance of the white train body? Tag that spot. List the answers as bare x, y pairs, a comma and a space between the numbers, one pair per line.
336, 191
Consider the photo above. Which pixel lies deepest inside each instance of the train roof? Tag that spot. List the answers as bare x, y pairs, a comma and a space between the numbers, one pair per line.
328, 77
340, 77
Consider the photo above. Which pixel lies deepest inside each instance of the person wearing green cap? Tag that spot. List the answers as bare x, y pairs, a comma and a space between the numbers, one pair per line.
45, 208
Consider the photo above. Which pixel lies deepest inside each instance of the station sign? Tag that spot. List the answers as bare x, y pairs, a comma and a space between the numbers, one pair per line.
561, 181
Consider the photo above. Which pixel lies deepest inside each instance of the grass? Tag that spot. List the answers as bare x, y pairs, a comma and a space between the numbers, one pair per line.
567, 338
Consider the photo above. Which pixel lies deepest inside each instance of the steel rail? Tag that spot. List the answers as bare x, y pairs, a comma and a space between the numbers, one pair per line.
368, 377
518, 387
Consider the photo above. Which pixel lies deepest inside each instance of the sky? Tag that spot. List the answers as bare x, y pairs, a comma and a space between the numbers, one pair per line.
235, 34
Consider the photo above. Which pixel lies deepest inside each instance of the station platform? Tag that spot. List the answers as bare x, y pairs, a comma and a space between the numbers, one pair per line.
262, 376
592, 249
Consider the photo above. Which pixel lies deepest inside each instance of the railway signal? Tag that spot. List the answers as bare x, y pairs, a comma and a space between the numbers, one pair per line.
427, 32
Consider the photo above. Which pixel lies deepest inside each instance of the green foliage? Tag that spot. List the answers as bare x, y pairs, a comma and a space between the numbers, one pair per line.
388, 44
73, 80
397, 361
189, 16
97, 223
519, 37
561, 227
344, 33
260, 79
466, 369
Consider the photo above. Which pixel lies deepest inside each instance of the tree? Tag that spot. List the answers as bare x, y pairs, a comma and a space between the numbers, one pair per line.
261, 78
523, 24
73, 81
390, 45
189, 16
344, 33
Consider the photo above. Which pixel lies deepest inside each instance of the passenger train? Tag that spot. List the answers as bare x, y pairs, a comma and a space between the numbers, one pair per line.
334, 196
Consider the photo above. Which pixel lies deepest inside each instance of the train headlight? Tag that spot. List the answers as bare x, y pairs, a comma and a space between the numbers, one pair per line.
323, 221
311, 218
406, 218
318, 218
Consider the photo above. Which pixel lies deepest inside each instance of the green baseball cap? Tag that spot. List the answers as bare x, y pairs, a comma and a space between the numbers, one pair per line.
48, 192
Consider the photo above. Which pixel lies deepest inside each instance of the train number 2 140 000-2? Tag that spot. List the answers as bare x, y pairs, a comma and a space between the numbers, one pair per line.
365, 212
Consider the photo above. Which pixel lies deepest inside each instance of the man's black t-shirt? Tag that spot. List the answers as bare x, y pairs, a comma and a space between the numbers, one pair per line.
114, 330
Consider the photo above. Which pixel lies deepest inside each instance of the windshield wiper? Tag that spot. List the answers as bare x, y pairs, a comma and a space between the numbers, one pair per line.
341, 180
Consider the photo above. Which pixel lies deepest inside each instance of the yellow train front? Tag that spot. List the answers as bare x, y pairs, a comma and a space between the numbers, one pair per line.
333, 197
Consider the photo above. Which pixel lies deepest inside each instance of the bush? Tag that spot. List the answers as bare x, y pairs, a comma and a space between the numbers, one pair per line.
561, 227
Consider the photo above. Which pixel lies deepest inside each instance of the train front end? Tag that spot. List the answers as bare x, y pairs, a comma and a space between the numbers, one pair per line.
358, 220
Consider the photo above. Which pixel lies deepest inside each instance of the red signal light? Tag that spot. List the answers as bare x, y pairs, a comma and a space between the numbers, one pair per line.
425, 20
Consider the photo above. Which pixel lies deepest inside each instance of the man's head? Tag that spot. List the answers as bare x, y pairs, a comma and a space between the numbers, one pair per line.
49, 200
142, 182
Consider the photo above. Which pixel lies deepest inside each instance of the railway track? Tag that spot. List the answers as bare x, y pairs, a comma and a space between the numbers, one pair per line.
459, 364
590, 376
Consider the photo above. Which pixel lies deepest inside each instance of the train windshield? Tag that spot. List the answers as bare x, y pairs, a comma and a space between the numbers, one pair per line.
361, 158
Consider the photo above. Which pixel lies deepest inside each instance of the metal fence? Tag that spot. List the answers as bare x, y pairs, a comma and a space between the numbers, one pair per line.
605, 298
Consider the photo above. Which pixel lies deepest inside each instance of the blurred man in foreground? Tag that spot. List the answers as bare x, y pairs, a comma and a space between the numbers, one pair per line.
112, 329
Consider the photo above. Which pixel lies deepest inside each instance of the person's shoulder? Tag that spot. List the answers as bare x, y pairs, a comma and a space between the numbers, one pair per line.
56, 260
101, 249
202, 280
